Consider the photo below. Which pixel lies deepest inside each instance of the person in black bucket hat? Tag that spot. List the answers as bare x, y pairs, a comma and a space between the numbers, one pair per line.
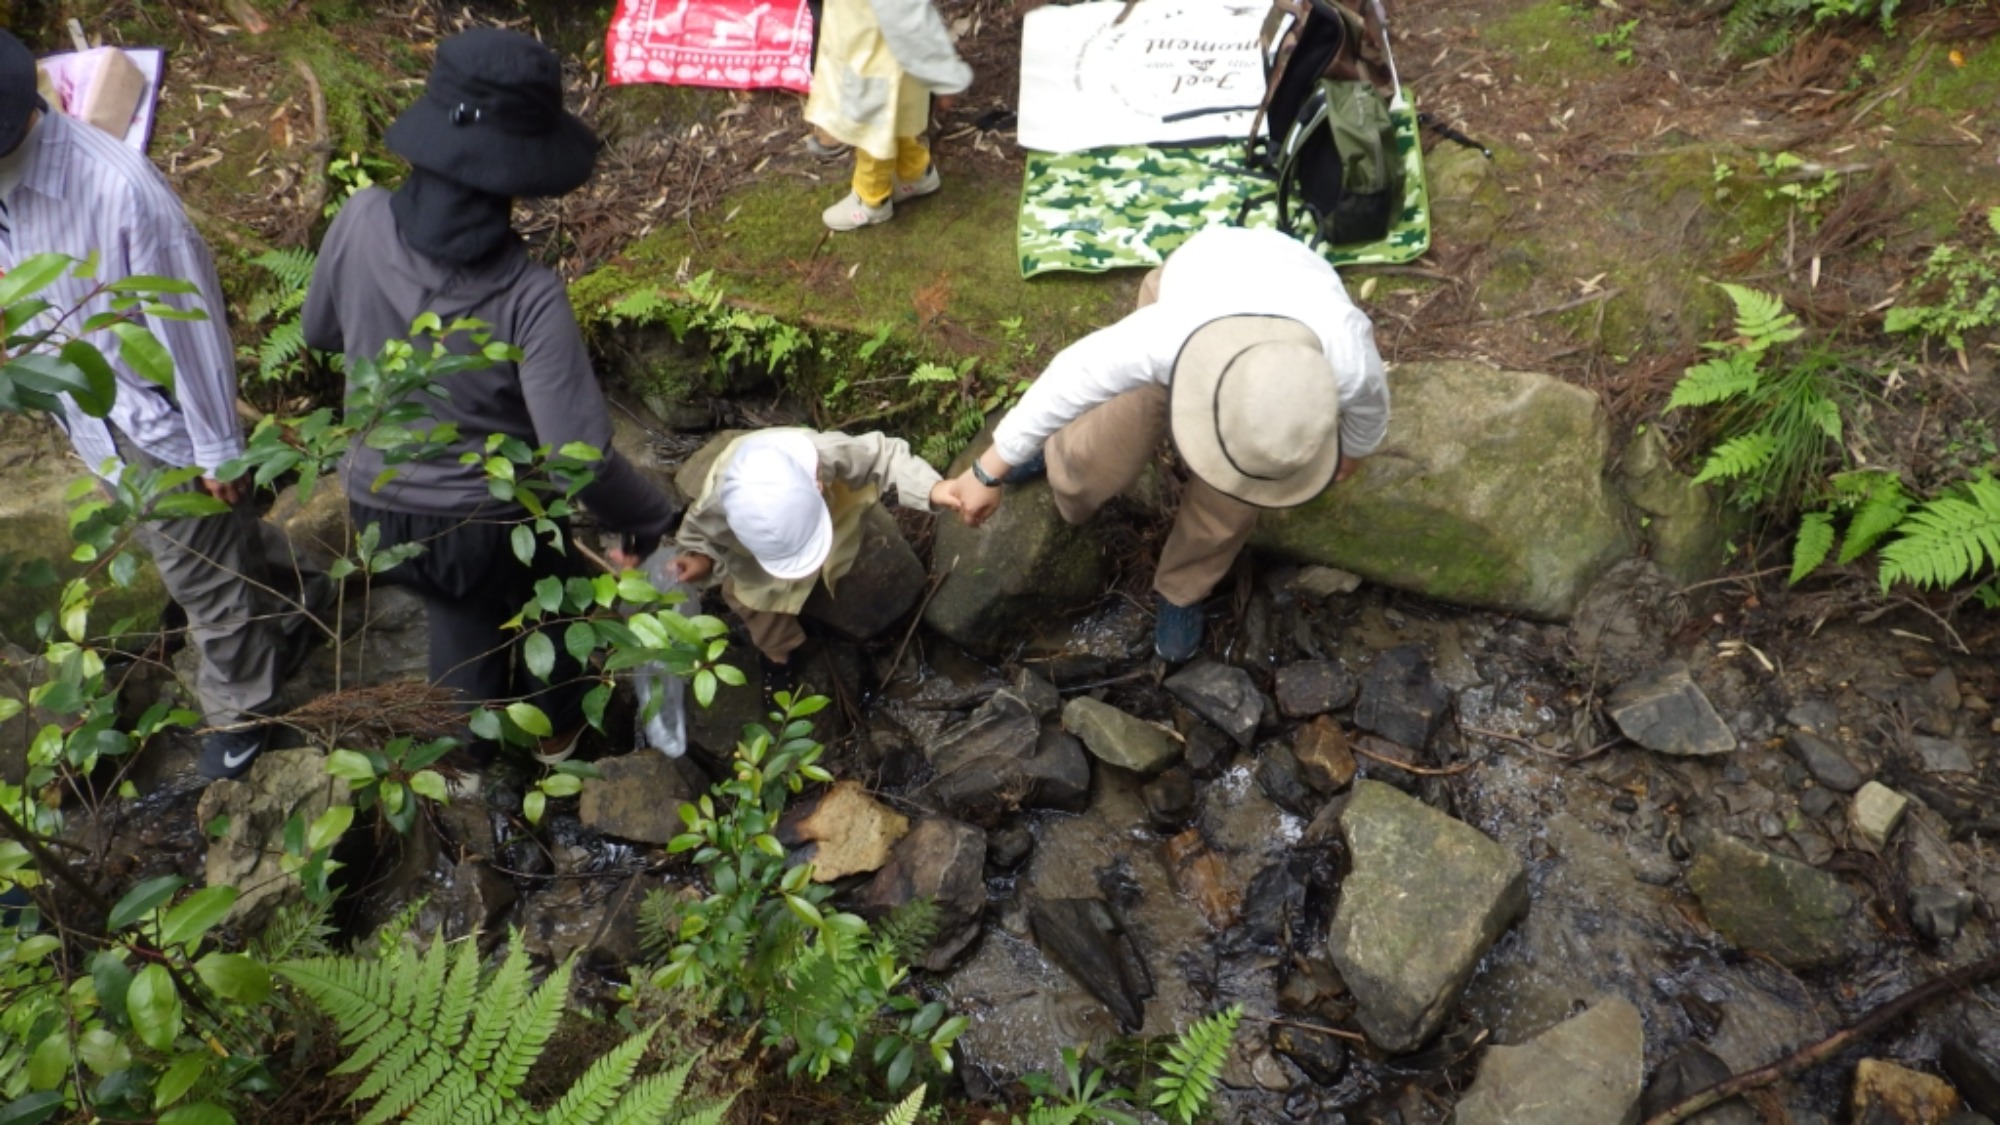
18, 98
489, 128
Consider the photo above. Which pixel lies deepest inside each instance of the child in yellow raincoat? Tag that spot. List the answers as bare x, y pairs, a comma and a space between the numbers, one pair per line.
879, 63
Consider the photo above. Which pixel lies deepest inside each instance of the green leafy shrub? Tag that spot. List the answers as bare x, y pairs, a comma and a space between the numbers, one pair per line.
277, 307
1947, 539
1962, 288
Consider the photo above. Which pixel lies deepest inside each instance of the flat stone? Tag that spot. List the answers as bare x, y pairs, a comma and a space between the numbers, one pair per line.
279, 785
1941, 755
851, 832
638, 796
1323, 582
1087, 939
1402, 699
1585, 1070
1325, 760
1799, 915
1974, 1075
1005, 726
1039, 694
1428, 895
1666, 712
1281, 779
1888, 1094
1323, 1057
1202, 876
1825, 762
1876, 812
1939, 913
1119, 739
942, 860
1059, 774
1314, 687
1222, 694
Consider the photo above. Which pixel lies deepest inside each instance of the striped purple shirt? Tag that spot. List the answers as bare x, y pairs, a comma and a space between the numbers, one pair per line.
83, 190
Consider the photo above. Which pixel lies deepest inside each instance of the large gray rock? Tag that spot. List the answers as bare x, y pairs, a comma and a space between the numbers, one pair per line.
1023, 566
1665, 710
941, 860
1801, 916
1093, 946
1490, 492
1223, 694
1583, 1071
1427, 897
638, 796
1004, 726
885, 583
1402, 699
280, 784
1119, 739
1002, 759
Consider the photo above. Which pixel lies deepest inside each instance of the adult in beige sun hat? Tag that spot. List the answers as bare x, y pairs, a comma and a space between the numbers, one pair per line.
1246, 350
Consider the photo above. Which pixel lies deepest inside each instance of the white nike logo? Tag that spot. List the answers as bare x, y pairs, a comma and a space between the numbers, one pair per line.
231, 761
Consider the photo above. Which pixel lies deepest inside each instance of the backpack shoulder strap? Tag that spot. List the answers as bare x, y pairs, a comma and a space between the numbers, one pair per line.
1276, 52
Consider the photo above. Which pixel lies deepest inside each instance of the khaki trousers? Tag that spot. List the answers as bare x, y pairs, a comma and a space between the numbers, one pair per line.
1102, 453
776, 635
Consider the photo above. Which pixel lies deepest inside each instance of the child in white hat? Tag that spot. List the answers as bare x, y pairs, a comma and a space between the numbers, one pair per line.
780, 512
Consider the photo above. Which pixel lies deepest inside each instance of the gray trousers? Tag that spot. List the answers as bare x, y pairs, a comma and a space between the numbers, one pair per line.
217, 568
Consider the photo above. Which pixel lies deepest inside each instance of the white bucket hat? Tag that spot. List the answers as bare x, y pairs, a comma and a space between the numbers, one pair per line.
1255, 410
770, 492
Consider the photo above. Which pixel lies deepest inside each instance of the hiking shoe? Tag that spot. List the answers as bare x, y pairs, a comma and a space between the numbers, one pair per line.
228, 753
925, 184
852, 214
1176, 631
1033, 469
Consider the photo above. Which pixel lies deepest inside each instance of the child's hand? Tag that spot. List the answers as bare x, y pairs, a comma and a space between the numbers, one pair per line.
944, 498
692, 567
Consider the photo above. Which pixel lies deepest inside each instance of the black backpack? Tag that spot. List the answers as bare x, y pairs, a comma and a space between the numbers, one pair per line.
1325, 132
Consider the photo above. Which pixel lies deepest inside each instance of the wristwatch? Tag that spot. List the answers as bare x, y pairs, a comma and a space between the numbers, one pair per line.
980, 474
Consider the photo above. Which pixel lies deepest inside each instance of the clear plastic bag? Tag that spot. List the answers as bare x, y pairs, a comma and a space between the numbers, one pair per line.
664, 727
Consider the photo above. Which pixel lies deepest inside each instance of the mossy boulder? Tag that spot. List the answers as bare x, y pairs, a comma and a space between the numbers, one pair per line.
34, 527
1686, 526
1490, 492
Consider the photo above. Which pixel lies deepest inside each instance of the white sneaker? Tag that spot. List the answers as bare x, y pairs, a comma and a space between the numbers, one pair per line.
852, 214
922, 185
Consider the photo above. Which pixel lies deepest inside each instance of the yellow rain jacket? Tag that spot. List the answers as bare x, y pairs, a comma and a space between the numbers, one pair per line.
879, 62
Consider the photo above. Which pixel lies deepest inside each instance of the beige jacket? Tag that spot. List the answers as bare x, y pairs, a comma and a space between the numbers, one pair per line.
854, 471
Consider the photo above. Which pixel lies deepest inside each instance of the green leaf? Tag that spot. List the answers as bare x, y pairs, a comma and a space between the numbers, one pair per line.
704, 687
579, 640
102, 381
351, 766
144, 354
186, 923
112, 979
329, 827
533, 804
140, 900
429, 783
154, 1007
1814, 541
199, 1113
539, 653
33, 275
32, 1109
594, 702
523, 540
235, 976
48, 1067
179, 1077
561, 785
530, 718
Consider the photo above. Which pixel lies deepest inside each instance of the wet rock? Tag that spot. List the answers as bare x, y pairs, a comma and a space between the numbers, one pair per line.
1818, 802
1876, 812
851, 833
469, 897
1323, 1057
1325, 761
1119, 739
1023, 566
596, 917
1688, 1072
1039, 694
638, 796
1314, 687
1665, 711
1427, 897
1454, 518
1939, 913
1799, 915
318, 527
1825, 762
1223, 695
1059, 773
247, 855
1169, 800
1813, 845
1974, 1075
1009, 847
1687, 526
714, 730
885, 583
1888, 1094
1617, 628
1817, 715
1401, 698
1323, 582
942, 860
1201, 875
1584, 1071
1941, 755
1085, 937
1208, 751
1003, 727
1281, 779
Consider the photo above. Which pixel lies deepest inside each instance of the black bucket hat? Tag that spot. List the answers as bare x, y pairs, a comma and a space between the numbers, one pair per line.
492, 118
18, 98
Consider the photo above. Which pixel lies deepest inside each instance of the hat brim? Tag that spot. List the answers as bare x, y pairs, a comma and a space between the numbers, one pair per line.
1198, 372
796, 445
491, 160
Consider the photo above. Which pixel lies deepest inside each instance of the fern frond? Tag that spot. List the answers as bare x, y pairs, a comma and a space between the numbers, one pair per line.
652, 1099
1717, 380
658, 926
292, 266
596, 1092
1761, 318
906, 1112
282, 347
1883, 505
906, 934
533, 1023
1814, 541
503, 995
1194, 1062
1738, 457
1950, 538
297, 929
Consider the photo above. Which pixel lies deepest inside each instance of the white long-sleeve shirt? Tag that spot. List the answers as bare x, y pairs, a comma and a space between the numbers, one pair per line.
1221, 271
83, 190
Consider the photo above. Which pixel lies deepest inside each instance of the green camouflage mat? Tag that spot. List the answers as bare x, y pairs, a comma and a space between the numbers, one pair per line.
1114, 208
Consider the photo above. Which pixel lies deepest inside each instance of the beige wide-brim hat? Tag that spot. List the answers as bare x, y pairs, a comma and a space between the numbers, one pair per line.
1255, 410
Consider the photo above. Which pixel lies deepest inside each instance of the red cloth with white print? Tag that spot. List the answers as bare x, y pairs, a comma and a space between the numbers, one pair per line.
737, 44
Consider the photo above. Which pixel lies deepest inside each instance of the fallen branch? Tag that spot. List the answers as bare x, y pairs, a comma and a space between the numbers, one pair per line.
1815, 1053
1337, 1033
936, 583
1420, 771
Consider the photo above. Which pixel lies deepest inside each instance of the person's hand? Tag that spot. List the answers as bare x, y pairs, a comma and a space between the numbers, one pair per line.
692, 567
1346, 468
944, 497
228, 491
976, 502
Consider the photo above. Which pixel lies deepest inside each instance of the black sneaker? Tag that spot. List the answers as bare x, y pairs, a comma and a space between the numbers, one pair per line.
1176, 630
1033, 469
228, 753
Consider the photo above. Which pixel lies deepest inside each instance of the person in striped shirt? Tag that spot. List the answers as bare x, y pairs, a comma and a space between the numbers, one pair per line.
68, 188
